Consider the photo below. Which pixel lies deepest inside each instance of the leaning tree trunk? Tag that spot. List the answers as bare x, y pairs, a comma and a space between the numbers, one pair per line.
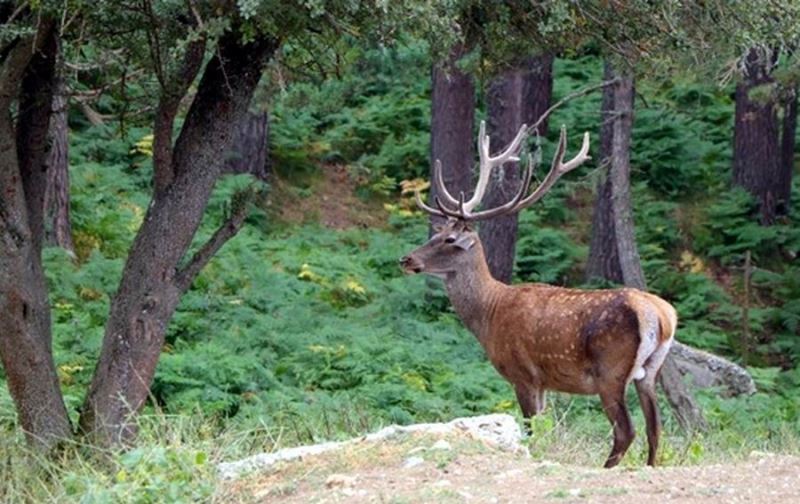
516, 97
452, 122
155, 274
249, 150
58, 227
756, 151
25, 330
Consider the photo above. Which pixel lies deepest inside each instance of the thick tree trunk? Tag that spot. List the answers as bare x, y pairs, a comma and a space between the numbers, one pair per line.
25, 330
756, 151
504, 110
249, 152
58, 227
452, 123
537, 93
603, 262
153, 278
788, 135
516, 97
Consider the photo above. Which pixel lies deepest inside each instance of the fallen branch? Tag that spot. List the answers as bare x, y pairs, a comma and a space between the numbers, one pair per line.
709, 370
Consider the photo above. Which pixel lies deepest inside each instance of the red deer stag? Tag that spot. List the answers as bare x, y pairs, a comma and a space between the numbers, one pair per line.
541, 337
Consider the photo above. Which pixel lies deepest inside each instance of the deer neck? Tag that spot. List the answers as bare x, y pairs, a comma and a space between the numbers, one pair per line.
474, 294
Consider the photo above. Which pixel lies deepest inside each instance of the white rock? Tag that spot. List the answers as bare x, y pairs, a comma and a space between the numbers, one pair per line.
441, 445
498, 430
413, 462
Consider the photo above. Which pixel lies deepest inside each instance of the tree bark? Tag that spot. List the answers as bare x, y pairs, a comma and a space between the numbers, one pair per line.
58, 227
249, 153
537, 94
788, 135
504, 110
25, 329
516, 97
619, 174
452, 123
603, 261
756, 151
154, 279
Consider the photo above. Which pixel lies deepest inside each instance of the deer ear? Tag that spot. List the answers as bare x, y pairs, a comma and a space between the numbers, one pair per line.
465, 241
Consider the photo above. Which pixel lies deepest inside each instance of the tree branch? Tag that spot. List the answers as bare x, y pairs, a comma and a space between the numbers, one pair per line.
168, 104
581, 92
185, 277
13, 67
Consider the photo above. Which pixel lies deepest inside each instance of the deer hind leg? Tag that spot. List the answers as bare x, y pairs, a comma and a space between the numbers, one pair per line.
617, 412
646, 389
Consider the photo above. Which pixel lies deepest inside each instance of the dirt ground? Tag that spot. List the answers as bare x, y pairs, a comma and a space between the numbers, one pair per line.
420, 469
329, 200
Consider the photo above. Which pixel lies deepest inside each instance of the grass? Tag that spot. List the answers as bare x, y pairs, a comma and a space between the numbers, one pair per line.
176, 457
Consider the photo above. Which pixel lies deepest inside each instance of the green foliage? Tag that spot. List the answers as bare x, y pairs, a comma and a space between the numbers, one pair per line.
546, 254
375, 120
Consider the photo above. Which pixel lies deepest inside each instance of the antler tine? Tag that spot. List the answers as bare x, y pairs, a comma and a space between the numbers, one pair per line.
421, 204
512, 204
558, 168
446, 211
488, 163
440, 187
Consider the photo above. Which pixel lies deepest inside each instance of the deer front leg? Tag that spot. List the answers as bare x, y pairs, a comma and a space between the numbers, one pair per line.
531, 401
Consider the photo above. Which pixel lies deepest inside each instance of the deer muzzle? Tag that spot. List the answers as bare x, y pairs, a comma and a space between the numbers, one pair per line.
411, 265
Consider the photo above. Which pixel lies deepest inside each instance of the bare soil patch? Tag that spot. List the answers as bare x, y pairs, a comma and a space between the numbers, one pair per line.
329, 200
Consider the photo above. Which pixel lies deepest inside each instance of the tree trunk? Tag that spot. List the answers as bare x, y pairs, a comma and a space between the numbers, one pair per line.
788, 135
516, 97
153, 279
603, 262
249, 153
452, 122
58, 227
537, 94
619, 175
504, 110
756, 151
25, 329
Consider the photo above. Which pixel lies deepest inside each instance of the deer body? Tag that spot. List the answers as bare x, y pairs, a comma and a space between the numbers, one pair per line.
541, 337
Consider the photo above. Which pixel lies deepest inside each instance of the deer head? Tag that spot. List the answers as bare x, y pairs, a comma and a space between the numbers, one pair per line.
455, 246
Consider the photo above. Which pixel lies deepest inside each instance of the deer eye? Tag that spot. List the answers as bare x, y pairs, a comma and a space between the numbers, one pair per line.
450, 239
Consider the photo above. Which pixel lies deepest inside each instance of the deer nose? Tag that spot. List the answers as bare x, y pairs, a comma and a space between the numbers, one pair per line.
410, 265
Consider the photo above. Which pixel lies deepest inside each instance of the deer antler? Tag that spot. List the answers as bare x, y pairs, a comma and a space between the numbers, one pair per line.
448, 206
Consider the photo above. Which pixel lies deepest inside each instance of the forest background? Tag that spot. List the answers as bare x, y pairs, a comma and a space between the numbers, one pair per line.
302, 328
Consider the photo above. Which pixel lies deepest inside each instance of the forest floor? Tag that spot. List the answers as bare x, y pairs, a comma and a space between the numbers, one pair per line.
417, 468
329, 200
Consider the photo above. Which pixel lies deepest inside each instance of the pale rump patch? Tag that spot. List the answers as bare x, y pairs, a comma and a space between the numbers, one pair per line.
654, 346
